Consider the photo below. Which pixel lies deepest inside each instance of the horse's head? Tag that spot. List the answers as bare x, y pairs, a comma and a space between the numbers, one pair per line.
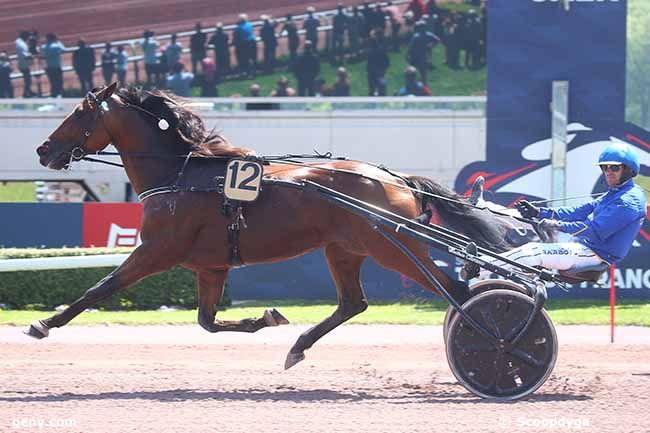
82, 132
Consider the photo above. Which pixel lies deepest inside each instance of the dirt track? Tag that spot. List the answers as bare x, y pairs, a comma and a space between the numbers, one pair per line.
360, 378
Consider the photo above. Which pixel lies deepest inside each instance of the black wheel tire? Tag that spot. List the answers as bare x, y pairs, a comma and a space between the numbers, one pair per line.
501, 374
445, 324
476, 289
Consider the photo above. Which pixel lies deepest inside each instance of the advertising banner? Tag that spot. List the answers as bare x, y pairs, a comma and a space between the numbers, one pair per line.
532, 43
40, 225
111, 224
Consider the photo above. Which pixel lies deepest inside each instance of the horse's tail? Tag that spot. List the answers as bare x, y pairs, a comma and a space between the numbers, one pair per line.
456, 213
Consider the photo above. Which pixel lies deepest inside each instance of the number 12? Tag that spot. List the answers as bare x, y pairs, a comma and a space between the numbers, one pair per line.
244, 184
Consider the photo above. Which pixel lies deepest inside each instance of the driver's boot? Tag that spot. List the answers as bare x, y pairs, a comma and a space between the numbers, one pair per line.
470, 270
476, 195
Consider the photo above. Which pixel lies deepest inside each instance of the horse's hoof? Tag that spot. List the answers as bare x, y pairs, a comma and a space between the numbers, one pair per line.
274, 318
37, 330
279, 318
293, 359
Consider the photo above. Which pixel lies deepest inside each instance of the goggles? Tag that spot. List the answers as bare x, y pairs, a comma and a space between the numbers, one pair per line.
611, 167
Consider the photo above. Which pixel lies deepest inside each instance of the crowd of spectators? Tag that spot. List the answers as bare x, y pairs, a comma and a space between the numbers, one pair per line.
360, 32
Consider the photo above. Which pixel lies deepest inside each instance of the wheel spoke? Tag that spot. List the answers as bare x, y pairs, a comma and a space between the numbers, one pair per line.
488, 320
499, 370
527, 357
478, 347
494, 370
516, 327
514, 331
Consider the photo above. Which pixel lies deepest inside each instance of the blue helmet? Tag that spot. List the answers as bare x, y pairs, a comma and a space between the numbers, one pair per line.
620, 153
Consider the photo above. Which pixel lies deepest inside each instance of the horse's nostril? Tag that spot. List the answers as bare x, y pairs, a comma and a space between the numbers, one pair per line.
42, 150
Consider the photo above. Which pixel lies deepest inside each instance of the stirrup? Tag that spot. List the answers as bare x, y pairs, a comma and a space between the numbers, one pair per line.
470, 270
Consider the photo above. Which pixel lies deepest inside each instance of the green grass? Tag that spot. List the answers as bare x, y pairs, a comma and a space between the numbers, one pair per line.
460, 7
17, 192
563, 312
592, 312
443, 81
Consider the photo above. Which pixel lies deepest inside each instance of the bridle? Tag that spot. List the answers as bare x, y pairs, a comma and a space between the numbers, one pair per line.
100, 107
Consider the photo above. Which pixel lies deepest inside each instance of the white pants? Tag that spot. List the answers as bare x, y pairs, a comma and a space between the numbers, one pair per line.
560, 256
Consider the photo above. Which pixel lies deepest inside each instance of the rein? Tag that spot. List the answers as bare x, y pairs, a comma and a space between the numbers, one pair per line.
80, 153
288, 159
441, 197
261, 159
568, 198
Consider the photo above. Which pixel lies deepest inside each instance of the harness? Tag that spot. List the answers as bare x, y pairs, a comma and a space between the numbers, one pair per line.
80, 153
232, 209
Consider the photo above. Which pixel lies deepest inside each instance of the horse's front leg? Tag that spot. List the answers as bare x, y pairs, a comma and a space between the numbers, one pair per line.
211, 284
149, 258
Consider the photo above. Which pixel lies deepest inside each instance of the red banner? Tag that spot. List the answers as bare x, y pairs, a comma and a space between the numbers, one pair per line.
111, 224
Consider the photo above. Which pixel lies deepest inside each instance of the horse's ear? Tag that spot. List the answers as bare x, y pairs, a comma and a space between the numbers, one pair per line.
106, 92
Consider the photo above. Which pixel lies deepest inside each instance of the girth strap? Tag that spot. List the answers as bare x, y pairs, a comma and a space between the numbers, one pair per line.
233, 235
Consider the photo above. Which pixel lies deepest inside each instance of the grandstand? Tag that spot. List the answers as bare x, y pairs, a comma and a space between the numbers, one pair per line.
128, 32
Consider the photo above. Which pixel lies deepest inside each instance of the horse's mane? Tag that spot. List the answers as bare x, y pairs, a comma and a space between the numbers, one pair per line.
483, 227
192, 135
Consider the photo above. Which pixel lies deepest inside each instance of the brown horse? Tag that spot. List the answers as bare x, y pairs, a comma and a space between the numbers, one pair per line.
188, 228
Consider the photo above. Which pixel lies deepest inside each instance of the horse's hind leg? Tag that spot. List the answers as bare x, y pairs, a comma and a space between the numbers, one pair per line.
392, 258
210, 284
345, 268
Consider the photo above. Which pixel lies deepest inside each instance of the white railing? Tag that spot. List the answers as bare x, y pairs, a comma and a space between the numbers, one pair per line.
70, 262
429, 105
427, 136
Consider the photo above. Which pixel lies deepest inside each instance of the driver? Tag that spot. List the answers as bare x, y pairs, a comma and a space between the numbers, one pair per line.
602, 230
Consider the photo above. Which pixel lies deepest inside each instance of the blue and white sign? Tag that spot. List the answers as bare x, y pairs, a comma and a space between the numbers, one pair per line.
530, 45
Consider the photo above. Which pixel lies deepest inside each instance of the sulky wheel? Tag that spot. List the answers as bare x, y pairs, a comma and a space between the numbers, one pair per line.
445, 324
507, 372
477, 288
